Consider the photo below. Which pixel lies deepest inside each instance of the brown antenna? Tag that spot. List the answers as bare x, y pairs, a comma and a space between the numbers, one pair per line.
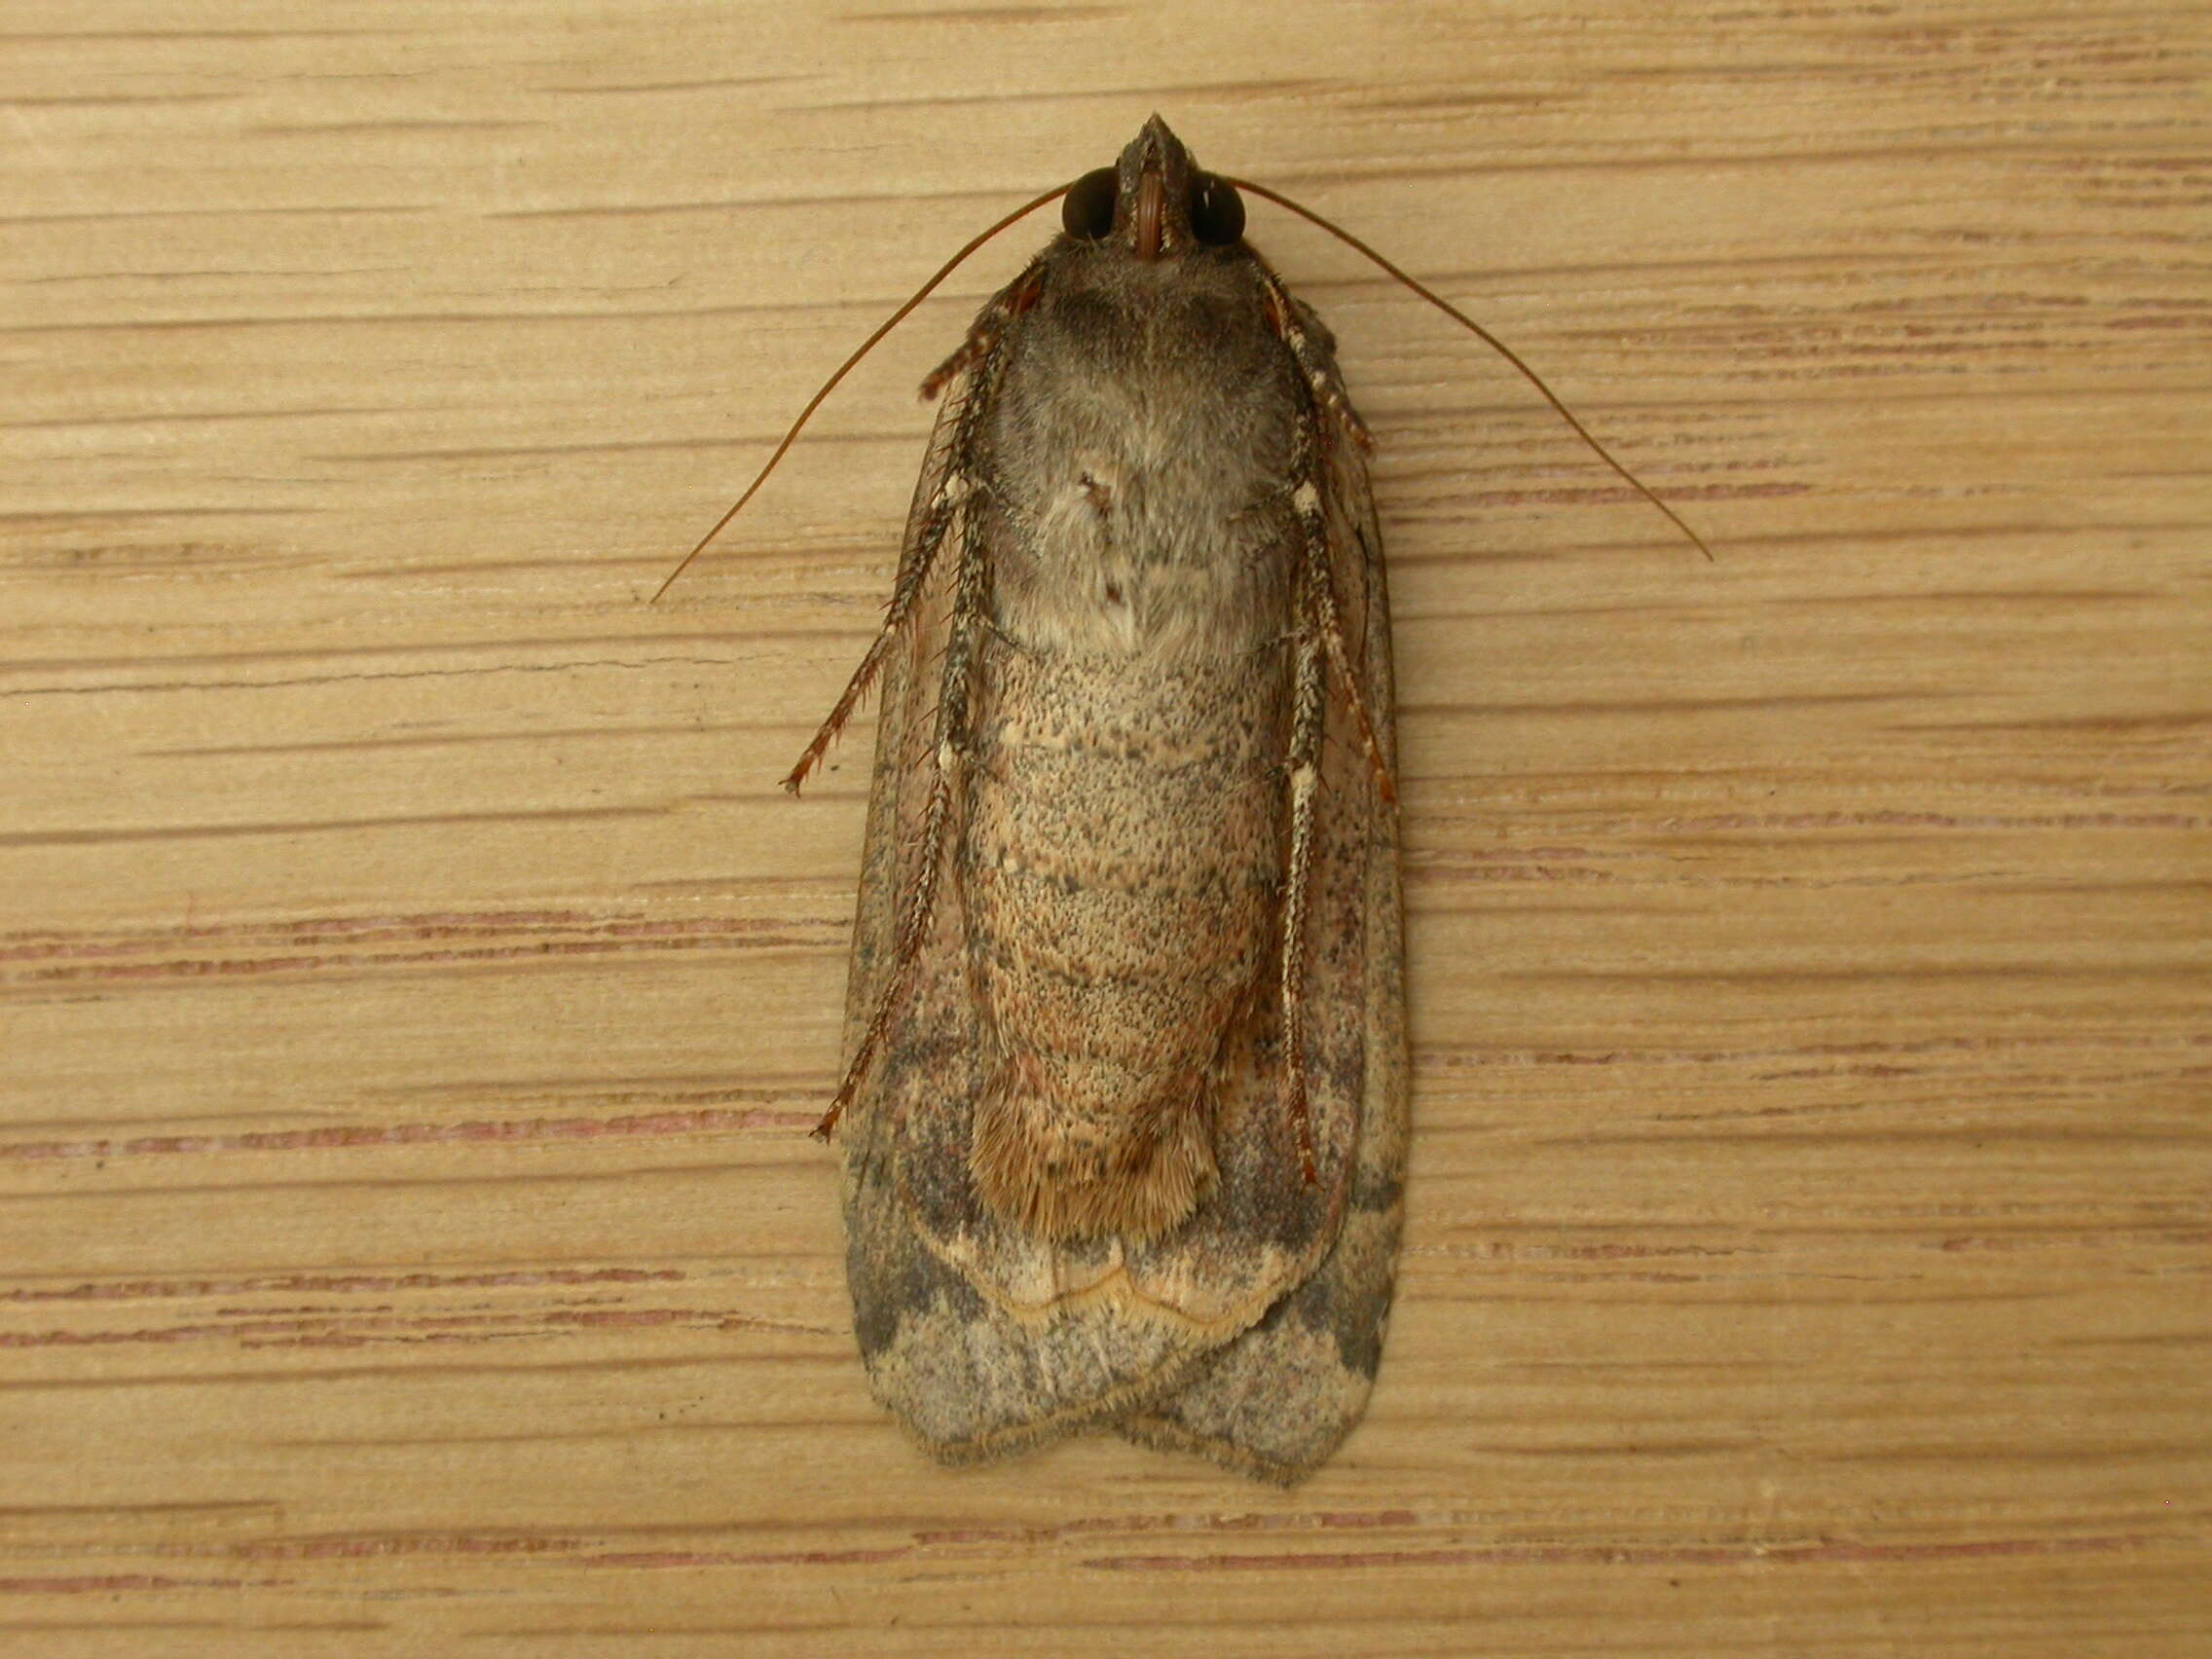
831, 385
1487, 339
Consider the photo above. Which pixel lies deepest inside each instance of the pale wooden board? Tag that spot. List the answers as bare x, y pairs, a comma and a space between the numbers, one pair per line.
413, 987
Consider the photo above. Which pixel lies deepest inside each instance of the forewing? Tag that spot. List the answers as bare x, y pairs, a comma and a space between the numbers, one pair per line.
1278, 1400
967, 1376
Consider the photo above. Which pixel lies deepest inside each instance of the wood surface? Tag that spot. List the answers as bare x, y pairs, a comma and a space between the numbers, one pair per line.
414, 989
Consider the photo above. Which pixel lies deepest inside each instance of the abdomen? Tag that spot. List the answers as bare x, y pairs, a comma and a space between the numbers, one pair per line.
1124, 839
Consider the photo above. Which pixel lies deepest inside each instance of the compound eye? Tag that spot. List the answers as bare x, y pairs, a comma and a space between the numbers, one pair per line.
1087, 208
1217, 211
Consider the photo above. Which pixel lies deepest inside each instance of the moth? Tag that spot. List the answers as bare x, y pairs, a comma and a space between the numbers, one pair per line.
1123, 1118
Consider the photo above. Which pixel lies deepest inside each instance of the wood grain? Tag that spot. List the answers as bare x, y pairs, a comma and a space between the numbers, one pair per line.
413, 987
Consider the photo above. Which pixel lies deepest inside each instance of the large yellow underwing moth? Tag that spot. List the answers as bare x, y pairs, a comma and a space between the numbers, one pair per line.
1123, 1119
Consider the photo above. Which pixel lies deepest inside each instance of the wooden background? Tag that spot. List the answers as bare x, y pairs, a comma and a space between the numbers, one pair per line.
413, 989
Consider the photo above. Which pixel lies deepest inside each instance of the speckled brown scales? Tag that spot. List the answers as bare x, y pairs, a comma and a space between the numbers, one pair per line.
1124, 1116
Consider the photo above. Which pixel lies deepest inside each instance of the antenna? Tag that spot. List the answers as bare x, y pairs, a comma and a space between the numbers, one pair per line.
831, 385
1487, 339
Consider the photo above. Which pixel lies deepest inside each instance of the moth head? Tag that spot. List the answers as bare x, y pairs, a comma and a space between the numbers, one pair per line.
1156, 201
